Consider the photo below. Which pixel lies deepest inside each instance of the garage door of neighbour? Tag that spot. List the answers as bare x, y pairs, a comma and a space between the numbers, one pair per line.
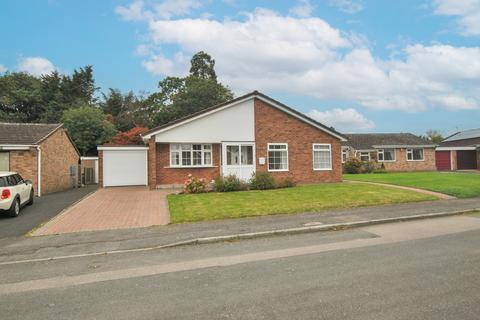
442, 160
466, 159
124, 168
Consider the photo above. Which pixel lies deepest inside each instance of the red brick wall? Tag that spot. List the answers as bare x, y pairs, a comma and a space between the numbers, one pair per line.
401, 163
152, 163
58, 154
25, 163
100, 168
167, 175
275, 126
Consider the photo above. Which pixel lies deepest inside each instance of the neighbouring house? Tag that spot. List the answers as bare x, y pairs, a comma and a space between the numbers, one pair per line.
460, 151
396, 151
252, 133
42, 153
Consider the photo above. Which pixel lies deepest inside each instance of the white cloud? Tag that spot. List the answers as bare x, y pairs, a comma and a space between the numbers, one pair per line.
35, 65
304, 9
467, 13
347, 6
268, 51
141, 10
3, 68
346, 120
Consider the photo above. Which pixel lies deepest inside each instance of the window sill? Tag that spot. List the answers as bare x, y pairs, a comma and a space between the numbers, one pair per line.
281, 170
189, 167
386, 160
326, 169
416, 160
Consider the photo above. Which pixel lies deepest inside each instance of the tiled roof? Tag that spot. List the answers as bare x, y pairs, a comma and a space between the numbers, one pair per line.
462, 135
367, 141
474, 142
25, 133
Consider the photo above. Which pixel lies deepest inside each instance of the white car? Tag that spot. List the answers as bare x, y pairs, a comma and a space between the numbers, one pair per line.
14, 192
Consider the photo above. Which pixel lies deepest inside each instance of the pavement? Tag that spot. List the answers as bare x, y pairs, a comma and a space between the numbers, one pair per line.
426, 269
81, 243
112, 208
43, 209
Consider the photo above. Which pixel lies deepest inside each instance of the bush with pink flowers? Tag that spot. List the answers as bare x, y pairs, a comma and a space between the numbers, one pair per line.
194, 185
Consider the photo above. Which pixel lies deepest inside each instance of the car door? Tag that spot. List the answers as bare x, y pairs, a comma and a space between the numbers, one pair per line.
23, 189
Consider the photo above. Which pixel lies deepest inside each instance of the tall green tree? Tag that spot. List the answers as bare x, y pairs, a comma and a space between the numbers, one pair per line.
434, 136
179, 97
88, 126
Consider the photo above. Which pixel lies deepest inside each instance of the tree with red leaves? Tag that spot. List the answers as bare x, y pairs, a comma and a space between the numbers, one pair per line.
131, 136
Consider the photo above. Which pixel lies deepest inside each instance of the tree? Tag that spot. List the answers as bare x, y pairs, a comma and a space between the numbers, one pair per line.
88, 127
434, 136
131, 136
179, 97
20, 98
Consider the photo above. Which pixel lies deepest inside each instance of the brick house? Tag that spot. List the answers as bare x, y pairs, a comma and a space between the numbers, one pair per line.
396, 151
460, 151
249, 134
42, 153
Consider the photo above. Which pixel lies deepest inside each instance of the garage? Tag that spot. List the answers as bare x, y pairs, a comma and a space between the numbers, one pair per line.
124, 166
443, 160
466, 159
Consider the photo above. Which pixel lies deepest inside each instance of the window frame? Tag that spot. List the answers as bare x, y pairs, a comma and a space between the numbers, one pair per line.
268, 156
382, 152
410, 151
344, 152
191, 150
313, 156
367, 152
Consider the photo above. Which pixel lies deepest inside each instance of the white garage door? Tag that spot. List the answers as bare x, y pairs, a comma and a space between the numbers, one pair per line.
124, 167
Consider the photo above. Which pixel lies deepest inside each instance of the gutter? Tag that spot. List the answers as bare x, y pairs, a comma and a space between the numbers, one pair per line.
39, 171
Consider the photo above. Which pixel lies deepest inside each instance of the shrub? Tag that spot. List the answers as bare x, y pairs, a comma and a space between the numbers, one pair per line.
194, 185
229, 183
287, 183
262, 181
353, 165
368, 167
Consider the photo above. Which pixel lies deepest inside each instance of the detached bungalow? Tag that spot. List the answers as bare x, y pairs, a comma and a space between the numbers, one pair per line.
397, 151
460, 151
249, 134
42, 153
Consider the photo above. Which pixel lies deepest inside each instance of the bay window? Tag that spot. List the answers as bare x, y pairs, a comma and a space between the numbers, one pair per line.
322, 157
190, 155
386, 155
277, 157
415, 154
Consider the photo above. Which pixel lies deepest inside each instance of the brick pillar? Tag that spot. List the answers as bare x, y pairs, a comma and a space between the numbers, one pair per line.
100, 168
152, 163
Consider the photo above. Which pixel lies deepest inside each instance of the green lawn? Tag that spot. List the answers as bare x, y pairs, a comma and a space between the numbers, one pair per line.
461, 185
307, 198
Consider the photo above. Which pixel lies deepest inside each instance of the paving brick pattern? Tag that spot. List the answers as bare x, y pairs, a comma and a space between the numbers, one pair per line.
112, 208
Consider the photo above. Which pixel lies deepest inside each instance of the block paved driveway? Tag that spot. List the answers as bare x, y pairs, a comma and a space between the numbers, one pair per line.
112, 208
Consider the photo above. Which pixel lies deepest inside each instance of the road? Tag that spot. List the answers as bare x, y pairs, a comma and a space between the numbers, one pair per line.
427, 269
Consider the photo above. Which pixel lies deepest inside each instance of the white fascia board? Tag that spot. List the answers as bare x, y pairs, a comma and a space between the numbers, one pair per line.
16, 146
455, 148
121, 148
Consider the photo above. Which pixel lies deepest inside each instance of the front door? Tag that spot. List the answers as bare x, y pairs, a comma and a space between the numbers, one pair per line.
238, 159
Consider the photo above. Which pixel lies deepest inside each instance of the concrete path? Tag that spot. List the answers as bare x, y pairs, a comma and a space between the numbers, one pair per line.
439, 195
112, 208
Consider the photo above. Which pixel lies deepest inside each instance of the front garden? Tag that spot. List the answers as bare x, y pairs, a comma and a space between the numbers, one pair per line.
460, 185
189, 207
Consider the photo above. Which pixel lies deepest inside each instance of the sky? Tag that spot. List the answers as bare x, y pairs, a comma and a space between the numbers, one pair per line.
357, 65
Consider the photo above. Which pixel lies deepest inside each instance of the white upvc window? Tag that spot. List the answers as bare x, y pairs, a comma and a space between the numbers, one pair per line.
415, 154
322, 156
344, 155
386, 155
364, 156
277, 157
190, 155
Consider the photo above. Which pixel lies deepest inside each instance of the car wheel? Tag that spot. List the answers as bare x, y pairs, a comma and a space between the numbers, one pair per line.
14, 209
30, 200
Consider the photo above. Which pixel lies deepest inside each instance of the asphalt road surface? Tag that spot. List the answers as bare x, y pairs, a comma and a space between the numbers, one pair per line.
427, 269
